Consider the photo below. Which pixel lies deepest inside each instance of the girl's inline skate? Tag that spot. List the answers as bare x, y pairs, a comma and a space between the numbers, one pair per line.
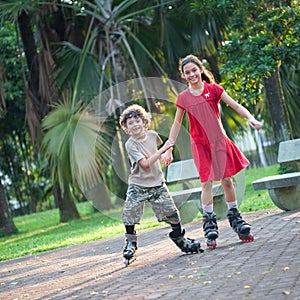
210, 228
129, 252
186, 245
241, 227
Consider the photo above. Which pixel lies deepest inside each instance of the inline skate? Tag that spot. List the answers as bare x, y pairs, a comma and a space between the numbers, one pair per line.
241, 227
129, 252
186, 245
210, 228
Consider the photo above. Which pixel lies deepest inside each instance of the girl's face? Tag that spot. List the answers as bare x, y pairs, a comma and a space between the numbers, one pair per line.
135, 127
192, 73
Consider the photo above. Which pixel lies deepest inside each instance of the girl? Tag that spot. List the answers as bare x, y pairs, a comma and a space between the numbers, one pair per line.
215, 155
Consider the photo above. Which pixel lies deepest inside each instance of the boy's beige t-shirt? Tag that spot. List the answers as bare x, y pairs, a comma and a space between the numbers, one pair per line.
144, 148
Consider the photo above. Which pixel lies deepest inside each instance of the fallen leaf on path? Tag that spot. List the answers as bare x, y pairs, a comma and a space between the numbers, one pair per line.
286, 293
94, 293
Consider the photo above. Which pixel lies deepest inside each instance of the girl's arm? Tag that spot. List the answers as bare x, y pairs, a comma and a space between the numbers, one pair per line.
241, 110
176, 124
167, 157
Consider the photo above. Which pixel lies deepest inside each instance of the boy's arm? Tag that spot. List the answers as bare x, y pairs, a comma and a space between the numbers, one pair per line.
147, 162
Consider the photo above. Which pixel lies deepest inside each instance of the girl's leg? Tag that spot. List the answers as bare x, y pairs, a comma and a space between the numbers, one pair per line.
229, 192
240, 226
210, 226
207, 196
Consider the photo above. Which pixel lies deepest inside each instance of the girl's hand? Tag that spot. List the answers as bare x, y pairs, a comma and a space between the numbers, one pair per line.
168, 144
255, 124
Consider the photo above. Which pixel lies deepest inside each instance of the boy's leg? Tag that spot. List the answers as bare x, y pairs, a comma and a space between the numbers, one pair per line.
132, 214
240, 226
165, 210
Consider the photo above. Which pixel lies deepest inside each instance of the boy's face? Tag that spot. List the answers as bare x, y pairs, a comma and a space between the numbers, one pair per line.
135, 126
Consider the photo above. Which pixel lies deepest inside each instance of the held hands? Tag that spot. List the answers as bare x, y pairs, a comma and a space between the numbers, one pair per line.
167, 157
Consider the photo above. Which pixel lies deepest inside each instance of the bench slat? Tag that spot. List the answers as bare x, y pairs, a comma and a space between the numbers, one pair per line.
289, 151
195, 194
182, 170
277, 181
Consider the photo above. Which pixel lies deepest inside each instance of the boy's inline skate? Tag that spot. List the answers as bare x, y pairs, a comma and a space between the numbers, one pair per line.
186, 245
241, 227
210, 228
129, 252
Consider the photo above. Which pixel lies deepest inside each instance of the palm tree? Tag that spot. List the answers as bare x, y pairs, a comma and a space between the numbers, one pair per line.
90, 46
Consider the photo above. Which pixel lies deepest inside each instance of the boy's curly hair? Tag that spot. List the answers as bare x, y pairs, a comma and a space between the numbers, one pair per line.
134, 111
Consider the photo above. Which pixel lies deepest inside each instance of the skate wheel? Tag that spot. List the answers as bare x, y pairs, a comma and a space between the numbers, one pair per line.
212, 244
249, 239
126, 262
201, 250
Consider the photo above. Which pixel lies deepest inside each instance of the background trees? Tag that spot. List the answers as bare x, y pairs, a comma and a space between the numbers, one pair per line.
69, 52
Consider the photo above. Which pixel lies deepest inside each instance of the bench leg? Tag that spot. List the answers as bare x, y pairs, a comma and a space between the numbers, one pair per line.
286, 198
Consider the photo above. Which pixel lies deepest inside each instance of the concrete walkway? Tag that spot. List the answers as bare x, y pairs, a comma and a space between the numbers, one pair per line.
268, 268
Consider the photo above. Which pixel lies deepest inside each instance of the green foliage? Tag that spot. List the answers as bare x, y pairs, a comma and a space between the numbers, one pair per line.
67, 69
262, 38
23, 177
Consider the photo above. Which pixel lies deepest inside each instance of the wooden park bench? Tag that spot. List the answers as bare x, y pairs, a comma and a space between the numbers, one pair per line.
284, 189
184, 174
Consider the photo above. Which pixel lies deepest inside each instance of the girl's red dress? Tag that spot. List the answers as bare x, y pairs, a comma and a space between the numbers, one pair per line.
215, 155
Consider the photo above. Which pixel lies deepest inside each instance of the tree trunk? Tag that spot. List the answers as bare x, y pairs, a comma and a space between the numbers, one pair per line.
213, 66
66, 205
277, 106
33, 117
7, 225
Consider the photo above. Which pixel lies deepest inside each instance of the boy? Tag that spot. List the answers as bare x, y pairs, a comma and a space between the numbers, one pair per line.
146, 183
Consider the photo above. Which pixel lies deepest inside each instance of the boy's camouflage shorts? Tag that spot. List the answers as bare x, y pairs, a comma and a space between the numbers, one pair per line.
159, 199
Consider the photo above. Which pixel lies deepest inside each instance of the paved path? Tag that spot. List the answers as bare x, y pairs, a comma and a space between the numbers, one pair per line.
268, 268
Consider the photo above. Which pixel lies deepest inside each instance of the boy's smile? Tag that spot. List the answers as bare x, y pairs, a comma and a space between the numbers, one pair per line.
136, 127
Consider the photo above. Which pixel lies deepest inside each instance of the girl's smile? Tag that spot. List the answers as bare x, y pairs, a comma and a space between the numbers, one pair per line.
192, 74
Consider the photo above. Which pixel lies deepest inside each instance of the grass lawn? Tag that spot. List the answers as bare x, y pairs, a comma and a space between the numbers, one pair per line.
42, 231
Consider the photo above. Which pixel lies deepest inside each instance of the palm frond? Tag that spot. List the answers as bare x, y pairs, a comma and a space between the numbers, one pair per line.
74, 145
11, 9
67, 70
